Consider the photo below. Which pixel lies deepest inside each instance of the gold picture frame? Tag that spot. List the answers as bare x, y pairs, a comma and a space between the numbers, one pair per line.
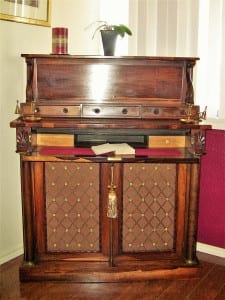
35, 12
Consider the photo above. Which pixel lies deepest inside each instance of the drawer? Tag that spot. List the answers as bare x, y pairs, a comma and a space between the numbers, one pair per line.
154, 112
42, 139
110, 111
52, 110
166, 141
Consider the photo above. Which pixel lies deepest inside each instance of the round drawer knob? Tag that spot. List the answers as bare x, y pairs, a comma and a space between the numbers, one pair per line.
65, 110
156, 111
124, 111
97, 110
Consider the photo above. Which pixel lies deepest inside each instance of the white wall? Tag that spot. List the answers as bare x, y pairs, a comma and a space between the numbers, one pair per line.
17, 38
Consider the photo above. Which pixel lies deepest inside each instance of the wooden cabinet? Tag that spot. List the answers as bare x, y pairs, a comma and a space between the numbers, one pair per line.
67, 204
109, 218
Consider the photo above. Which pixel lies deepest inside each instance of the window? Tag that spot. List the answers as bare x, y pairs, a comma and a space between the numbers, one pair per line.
194, 28
210, 88
116, 12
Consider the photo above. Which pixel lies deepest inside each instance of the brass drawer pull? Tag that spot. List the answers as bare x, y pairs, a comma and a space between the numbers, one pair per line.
36, 110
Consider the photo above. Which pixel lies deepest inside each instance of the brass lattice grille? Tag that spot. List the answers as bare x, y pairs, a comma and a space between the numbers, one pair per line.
72, 206
148, 207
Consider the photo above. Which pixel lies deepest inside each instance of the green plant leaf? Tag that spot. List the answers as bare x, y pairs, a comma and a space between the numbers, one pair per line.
121, 29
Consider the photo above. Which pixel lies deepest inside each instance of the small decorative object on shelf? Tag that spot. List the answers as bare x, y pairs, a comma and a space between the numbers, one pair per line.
59, 40
109, 34
202, 114
17, 109
191, 117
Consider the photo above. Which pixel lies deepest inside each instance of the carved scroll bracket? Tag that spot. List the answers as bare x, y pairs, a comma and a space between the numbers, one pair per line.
31, 88
198, 142
189, 99
23, 139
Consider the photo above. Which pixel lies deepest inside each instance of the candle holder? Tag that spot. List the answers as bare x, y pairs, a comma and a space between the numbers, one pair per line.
33, 117
189, 118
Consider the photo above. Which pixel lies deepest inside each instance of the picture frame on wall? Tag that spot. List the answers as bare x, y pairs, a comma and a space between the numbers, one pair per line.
35, 12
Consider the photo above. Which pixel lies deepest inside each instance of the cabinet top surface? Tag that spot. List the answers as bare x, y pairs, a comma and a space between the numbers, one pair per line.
100, 57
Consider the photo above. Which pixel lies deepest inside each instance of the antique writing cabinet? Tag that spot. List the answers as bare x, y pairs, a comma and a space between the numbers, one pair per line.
107, 218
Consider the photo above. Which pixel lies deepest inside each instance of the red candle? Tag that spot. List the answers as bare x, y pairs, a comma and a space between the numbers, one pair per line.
59, 40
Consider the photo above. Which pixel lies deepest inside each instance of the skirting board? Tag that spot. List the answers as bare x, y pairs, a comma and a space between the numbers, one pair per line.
11, 255
212, 250
204, 248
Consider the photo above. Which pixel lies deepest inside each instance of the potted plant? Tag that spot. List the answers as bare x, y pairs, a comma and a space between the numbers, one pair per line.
109, 34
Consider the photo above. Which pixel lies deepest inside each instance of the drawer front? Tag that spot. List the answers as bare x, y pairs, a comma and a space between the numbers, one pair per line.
51, 139
53, 110
110, 111
166, 141
162, 112
60, 111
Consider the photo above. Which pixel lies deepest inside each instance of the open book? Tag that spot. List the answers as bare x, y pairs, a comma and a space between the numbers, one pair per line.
118, 149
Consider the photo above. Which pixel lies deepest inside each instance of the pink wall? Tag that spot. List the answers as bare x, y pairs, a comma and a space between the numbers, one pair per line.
211, 228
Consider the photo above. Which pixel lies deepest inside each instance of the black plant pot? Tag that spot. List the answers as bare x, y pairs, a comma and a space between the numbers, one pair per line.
109, 38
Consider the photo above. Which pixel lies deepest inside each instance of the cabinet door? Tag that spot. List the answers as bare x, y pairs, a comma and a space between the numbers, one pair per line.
67, 210
153, 218
149, 207
72, 207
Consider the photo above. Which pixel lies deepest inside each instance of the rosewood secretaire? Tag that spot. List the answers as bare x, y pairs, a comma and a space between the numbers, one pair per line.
109, 217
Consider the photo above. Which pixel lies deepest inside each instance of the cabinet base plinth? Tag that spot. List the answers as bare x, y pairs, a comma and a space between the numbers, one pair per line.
49, 271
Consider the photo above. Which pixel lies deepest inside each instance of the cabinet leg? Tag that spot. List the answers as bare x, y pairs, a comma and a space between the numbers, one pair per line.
28, 213
191, 257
